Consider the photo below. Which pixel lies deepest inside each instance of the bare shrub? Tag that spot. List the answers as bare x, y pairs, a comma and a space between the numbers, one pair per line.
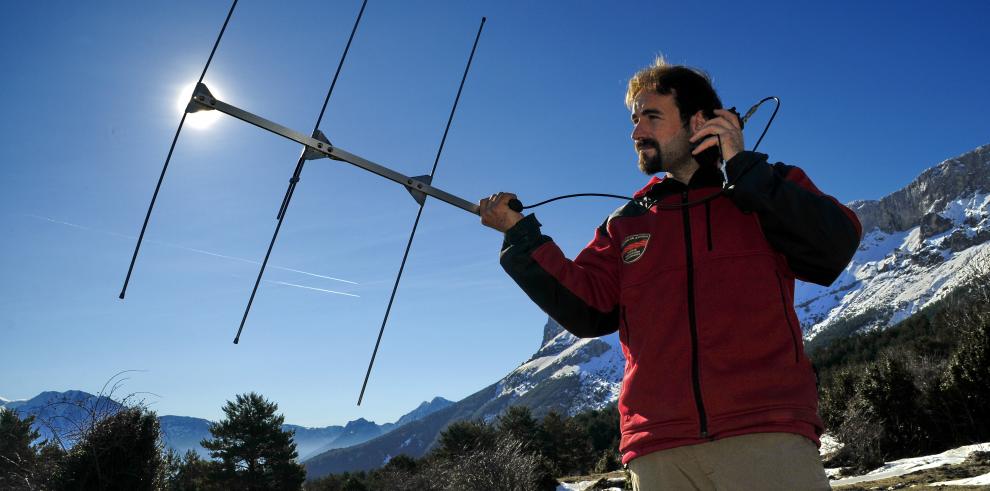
504, 466
861, 434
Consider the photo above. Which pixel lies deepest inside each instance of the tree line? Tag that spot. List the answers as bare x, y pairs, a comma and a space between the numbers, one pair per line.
249, 450
516, 452
123, 449
919, 387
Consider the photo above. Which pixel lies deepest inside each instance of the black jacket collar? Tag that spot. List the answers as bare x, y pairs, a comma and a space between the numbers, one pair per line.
704, 177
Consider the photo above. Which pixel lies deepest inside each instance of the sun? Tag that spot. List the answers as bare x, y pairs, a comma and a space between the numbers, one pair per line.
200, 119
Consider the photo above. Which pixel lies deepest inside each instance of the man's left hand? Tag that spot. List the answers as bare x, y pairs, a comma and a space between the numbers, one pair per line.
726, 125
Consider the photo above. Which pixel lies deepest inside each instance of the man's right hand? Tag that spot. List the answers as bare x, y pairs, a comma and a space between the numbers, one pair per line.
495, 212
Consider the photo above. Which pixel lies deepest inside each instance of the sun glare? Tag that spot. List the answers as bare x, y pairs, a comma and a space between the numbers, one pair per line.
201, 119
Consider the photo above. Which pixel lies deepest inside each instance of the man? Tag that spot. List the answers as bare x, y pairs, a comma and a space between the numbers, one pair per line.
717, 391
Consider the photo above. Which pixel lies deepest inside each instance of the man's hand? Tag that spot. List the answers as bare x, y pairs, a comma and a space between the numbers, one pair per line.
495, 212
726, 125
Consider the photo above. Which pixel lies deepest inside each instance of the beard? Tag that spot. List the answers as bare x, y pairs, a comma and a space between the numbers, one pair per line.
672, 158
650, 165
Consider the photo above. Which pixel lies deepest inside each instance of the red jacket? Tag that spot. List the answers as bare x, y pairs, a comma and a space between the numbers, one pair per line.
703, 298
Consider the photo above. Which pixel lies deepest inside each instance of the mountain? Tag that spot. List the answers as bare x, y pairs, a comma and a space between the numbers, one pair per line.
360, 430
60, 415
63, 414
183, 433
311, 441
567, 375
917, 245
412, 439
424, 410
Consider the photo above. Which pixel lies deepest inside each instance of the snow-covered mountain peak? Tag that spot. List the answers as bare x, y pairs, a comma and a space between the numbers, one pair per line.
919, 244
951, 179
591, 370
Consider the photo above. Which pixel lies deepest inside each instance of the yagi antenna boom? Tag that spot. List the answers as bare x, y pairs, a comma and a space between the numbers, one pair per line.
207, 101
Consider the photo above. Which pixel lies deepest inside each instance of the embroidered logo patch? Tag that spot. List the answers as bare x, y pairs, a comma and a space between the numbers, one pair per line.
633, 247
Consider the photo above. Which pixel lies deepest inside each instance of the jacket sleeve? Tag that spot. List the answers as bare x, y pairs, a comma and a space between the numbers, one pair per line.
581, 295
816, 233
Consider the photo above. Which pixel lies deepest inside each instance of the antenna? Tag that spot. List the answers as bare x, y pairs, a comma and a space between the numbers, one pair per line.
315, 147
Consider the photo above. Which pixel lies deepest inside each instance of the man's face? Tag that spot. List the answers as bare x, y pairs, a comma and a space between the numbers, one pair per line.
659, 135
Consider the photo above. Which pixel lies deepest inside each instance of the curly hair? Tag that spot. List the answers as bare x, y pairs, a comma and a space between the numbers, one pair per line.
692, 88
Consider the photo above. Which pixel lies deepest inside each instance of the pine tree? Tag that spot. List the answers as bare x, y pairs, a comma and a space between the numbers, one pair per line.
602, 427
518, 422
462, 437
17, 458
189, 472
254, 452
968, 377
886, 401
566, 445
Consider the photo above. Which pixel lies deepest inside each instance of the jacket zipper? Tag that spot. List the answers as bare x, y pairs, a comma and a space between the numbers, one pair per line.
708, 223
695, 365
790, 327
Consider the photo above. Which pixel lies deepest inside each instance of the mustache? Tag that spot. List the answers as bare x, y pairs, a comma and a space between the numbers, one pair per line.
647, 143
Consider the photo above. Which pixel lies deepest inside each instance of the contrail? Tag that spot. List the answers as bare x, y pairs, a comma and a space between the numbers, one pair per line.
201, 251
311, 288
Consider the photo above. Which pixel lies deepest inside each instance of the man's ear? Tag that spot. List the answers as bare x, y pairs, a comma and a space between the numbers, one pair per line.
697, 120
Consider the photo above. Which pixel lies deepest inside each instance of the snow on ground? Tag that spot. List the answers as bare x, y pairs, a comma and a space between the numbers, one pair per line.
914, 464
829, 445
983, 480
582, 486
891, 469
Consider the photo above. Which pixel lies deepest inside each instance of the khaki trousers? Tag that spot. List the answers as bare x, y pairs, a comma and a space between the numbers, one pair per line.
756, 462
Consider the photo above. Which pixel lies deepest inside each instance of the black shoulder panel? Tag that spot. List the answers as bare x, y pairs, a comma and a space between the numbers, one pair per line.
634, 208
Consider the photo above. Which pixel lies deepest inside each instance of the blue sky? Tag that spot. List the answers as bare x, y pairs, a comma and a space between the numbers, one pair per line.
872, 93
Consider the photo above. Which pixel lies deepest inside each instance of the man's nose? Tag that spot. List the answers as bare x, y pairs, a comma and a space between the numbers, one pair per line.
638, 133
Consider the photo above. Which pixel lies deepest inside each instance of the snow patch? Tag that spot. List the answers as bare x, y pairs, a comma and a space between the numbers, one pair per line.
829, 445
915, 464
982, 480
961, 209
567, 371
583, 486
